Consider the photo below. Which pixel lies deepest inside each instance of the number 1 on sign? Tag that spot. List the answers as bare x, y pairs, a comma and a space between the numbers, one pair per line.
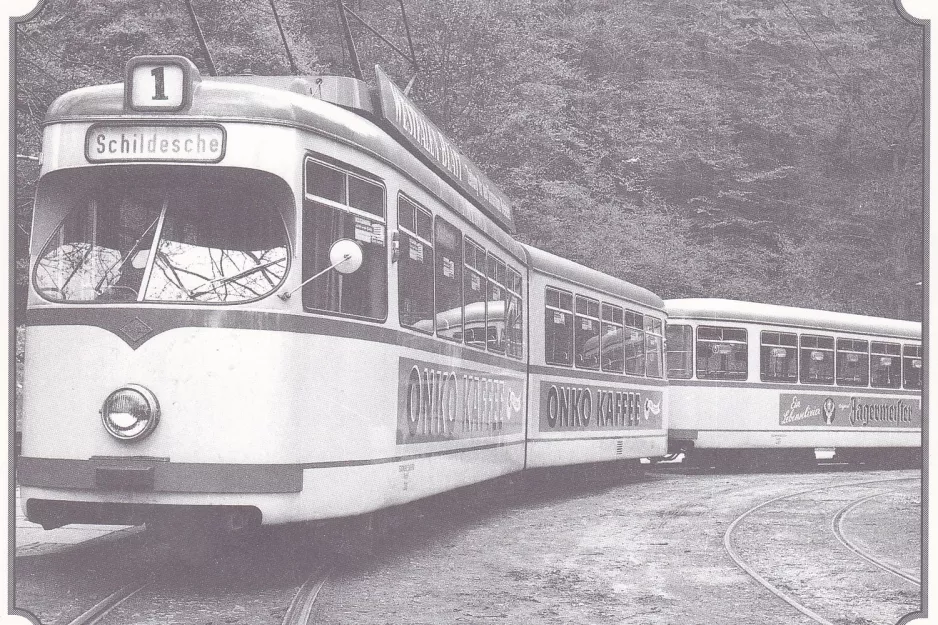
158, 86
157, 74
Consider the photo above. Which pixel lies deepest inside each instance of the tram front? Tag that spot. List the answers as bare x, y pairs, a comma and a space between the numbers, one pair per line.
160, 371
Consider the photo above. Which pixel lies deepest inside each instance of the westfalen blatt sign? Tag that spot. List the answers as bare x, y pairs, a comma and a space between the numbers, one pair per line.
849, 411
423, 134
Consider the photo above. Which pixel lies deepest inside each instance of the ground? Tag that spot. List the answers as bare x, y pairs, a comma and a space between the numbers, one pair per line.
579, 546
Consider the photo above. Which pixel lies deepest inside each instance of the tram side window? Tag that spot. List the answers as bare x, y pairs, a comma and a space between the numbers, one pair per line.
912, 366
779, 357
680, 351
653, 347
634, 343
587, 333
448, 275
853, 362
558, 327
612, 350
475, 288
341, 205
817, 359
722, 353
496, 307
885, 365
415, 266
514, 317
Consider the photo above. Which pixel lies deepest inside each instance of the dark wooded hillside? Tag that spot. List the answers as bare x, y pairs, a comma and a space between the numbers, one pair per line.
753, 149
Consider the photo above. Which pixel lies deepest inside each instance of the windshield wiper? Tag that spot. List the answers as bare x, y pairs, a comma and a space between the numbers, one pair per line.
226, 279
80, 264
130, 253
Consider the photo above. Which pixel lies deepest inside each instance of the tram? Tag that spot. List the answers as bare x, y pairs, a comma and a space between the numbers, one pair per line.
279, 299
756, 382
597, 382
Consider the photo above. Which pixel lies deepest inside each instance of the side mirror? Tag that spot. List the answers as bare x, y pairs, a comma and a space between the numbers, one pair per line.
139, 260
346, 256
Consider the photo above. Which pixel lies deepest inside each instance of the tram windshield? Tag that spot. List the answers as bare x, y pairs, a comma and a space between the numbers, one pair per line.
207, 235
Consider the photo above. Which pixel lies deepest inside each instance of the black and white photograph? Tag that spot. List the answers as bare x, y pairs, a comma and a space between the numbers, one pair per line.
468, 312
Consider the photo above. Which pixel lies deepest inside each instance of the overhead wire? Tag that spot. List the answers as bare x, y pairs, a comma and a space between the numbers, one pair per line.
379, 35
345, 11
201, 37
890, 225
811, 39
349, 40
283, 36
827, 62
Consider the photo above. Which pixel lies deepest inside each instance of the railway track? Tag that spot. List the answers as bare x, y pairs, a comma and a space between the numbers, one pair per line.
101, 609
297, 614
302, 604
837, 524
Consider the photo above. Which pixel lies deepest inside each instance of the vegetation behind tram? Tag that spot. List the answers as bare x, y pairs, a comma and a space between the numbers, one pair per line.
736, 149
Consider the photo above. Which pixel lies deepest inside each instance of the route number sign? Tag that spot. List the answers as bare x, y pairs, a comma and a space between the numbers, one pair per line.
162, 83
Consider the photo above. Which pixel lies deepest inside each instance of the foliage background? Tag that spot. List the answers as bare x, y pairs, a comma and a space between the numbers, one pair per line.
765, 150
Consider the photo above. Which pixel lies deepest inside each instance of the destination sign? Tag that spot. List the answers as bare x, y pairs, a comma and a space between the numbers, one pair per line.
417, 129
164, 143
846, 410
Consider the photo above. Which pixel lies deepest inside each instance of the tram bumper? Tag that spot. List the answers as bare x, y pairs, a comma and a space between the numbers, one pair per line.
128, 491
159, 476
50, 514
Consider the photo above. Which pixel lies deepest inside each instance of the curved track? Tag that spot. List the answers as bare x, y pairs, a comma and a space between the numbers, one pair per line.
298, 612
103, 607
302, 604
742, 564
837, 525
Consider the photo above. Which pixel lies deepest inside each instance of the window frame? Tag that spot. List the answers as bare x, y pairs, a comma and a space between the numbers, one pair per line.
744, 342
885, 345
603, 322
640, 327
917, 356
348, 170
690, 369
653, 321
468, 270
402, 197
518, 295
88, 199
576, 317
492, 263
837, 355
564, 311
763, 361
802, 371
457, 263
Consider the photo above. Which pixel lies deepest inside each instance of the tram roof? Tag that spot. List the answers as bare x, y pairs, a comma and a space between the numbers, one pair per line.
306, 102
715, 309
556, 266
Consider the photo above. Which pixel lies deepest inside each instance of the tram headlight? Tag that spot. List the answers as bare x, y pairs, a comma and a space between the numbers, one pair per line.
131, 412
